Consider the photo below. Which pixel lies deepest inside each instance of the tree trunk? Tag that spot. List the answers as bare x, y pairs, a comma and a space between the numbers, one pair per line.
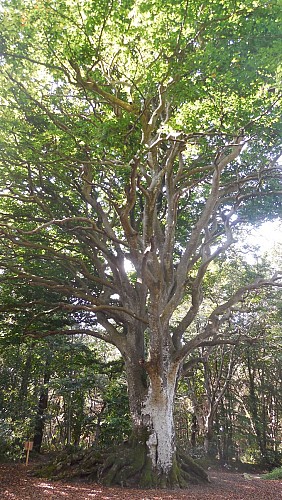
150, 458
209, 446
194, 431
254, 410
42, 406
78, 418
26, 374
208, 437
157, 416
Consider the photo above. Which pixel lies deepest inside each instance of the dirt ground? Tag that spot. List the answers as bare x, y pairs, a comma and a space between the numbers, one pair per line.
17, 484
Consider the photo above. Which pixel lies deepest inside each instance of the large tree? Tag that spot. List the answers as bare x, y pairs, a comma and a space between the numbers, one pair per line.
135, 137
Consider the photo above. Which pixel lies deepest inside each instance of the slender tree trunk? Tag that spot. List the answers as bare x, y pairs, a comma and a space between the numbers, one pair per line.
26, 374
208, 436
194, 431
254, 409
42, 407
78, 418
98, 424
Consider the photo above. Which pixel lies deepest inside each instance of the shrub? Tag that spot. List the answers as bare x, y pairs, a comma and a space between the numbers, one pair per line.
274, 474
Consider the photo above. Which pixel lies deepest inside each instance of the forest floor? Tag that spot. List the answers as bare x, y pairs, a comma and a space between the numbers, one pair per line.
17, 484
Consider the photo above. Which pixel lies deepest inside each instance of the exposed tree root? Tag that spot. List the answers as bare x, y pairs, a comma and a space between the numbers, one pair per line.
128, 465
132, 467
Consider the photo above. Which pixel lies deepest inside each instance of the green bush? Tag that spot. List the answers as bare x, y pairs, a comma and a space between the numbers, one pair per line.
12, 438
115, 423
274, 474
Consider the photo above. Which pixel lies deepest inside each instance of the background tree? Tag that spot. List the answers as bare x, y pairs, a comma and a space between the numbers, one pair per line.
241, 412
71, 397
139, 133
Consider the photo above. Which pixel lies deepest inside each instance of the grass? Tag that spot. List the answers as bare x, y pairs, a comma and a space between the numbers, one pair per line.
274, 474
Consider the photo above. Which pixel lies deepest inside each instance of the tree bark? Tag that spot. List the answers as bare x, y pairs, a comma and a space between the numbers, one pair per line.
194, 431
157, 416
208, 436
151, 457
257, 423
42, 406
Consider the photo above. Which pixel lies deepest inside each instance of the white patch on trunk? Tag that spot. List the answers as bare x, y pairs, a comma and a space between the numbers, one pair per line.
158, 408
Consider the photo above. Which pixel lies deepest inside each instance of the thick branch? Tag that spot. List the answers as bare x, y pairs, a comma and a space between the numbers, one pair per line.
186, 259
90, 84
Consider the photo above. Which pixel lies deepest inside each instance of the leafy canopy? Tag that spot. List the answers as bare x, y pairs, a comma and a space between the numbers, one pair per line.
134, 130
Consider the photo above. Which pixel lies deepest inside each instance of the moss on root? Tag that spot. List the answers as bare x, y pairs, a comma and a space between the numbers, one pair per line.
82, 464
131, 466
127, 465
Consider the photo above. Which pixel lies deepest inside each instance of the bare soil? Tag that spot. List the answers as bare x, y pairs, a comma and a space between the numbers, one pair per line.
17, 484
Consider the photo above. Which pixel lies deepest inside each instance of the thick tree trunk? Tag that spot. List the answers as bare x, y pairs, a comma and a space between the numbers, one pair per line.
157, 415
151, 457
